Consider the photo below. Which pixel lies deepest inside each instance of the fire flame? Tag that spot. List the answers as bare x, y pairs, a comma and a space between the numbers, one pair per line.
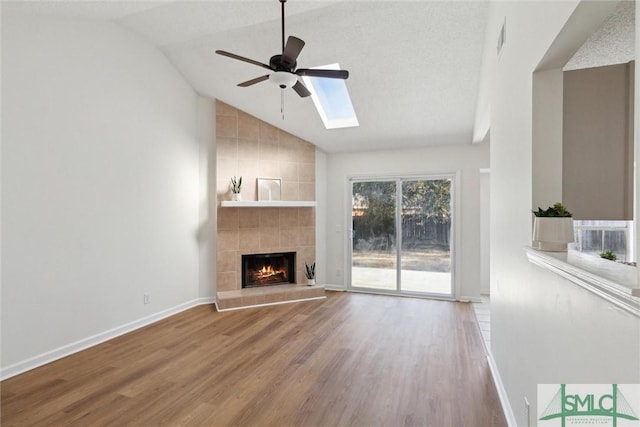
266, 271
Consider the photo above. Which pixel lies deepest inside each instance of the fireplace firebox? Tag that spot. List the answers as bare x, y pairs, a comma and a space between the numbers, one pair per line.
268, 269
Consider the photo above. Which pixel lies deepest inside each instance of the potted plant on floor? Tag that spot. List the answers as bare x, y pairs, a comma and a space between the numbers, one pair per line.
552, 229
236, 186
310, 272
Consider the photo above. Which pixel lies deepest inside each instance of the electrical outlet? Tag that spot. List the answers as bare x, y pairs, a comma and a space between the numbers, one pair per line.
526, 412
147, 298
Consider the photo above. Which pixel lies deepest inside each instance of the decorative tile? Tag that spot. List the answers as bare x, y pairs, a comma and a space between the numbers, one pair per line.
269, 217
290, 237
268, 132
307, 153
227, 148
248, 151
269, 150
306, 217
307, 172
227, 240
249, 218
290, 190
226, 126
288, 151
289, 217
248, 126
269, 238
307, 191
228, 261
269, 169
223, 109
288, 171
227, 219
249, 239
226, 168
307, 236
305, 255
226, 281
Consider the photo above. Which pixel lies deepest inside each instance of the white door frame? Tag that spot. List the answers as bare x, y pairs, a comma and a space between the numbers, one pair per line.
455, 221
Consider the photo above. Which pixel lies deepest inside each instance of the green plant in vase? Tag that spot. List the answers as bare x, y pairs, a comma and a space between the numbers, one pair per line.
552, 228
310, 272
236, 186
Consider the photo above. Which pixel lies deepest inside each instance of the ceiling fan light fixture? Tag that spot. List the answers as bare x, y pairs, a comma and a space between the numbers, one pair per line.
283, 79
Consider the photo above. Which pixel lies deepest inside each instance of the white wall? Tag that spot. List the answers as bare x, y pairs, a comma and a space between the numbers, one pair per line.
485, 231
544, 329
100, 178
207, 231
465, 159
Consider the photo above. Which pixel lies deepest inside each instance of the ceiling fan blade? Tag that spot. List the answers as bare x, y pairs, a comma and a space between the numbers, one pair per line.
254, 81
301, 89
242, 58
331, 74
291, 51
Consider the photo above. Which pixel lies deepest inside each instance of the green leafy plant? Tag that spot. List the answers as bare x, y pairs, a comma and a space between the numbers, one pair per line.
608, 255
557, 210
310, 270
236, 185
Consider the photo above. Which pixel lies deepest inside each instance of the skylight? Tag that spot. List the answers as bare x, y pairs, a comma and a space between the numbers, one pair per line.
331, 98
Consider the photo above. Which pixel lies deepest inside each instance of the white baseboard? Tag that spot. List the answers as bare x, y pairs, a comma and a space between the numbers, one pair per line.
83, 344
502, 393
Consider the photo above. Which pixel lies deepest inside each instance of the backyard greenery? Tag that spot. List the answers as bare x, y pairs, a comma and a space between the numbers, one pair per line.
425, 219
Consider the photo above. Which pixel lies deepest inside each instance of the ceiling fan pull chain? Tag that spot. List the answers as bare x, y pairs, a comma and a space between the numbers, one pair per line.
282, 102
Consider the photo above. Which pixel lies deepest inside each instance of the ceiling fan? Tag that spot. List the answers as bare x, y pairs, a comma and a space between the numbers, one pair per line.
283, 66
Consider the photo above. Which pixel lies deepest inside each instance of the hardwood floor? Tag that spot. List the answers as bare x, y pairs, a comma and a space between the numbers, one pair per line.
349, 360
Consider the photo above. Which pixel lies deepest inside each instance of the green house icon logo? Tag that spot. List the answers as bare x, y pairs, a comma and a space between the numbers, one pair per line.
583, 408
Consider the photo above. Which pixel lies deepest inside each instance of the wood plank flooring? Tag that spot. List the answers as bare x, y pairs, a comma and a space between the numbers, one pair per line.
349, 360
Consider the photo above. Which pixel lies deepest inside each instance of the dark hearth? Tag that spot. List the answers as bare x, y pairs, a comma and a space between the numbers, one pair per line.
268, 269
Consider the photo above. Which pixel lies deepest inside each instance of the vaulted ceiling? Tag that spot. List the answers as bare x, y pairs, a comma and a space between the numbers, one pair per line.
414, 65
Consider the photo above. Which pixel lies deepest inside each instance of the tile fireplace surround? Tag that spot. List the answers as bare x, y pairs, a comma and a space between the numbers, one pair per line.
251, 148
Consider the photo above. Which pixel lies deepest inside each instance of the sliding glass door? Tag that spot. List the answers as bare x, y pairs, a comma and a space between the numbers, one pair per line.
374, 254
401, 235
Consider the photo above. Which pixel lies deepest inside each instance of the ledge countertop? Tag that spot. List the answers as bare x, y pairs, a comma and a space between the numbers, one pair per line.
613, 281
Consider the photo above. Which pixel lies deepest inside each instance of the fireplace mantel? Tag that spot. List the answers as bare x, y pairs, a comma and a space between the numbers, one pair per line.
268, 204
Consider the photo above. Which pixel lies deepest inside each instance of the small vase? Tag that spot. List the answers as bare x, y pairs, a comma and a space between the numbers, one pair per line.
236, 197
311, 282
552, 234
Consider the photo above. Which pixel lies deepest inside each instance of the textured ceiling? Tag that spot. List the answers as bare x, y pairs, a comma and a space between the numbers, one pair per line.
612, 43
414, 65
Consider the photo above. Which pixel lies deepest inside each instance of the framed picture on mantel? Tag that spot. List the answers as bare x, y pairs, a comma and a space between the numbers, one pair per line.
269, 189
